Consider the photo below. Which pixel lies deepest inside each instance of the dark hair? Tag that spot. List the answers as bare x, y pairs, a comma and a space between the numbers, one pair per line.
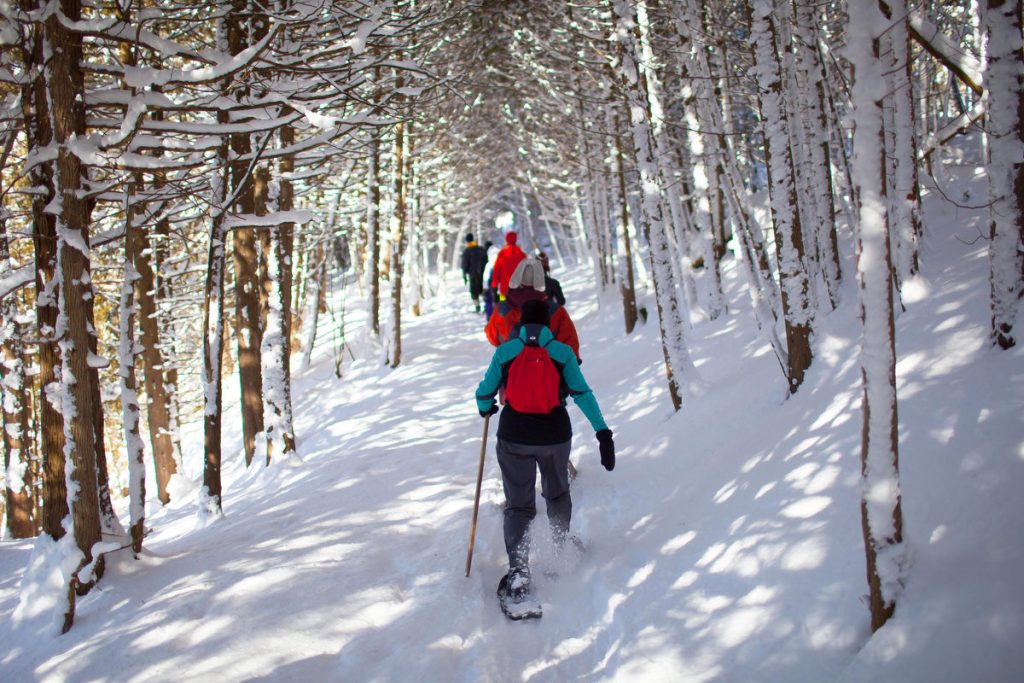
469, 237
535, 311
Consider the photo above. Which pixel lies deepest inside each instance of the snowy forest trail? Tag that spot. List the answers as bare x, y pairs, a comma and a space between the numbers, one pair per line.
725, 546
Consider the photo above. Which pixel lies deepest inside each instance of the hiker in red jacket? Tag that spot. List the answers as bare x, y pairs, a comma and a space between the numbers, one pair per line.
505, 264
527, 284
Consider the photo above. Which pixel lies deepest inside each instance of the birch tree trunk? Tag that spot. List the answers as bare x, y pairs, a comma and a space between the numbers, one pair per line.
881, 515
1005, 79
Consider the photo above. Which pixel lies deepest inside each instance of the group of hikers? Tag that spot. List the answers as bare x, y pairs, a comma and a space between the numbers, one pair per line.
534, 369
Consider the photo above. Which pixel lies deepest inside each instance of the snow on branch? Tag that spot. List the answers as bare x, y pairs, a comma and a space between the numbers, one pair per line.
940, 46
271, 220
142, 77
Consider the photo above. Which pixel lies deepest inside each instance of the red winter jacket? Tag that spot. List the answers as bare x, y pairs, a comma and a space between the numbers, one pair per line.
500, 328
504, 265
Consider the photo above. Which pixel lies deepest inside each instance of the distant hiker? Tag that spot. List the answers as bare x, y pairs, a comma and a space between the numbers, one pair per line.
552, 287
489, 297
505, 264
474, 260
534, 431
527, 284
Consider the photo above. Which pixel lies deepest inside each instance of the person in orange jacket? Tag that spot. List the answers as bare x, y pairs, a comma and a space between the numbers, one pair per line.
527, 284
505, 264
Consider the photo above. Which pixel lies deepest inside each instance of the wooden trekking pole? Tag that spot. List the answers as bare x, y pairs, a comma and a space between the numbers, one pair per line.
476, 501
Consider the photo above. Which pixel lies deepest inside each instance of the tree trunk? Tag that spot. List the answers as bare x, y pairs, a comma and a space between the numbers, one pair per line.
210, 504
373, 232
626, 285
677, 357
17, 437
817, 155
248, 318
881, 516
904, 203
1005, 79
77, 393
130, 409
164, 335
158, 408
36, 114
398, 245
276, 408
794, 281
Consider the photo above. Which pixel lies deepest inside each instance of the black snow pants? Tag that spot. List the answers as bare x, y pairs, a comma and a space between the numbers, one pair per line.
519, 464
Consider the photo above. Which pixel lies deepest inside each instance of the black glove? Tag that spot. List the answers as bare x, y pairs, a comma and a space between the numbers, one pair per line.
491, 411
604, 438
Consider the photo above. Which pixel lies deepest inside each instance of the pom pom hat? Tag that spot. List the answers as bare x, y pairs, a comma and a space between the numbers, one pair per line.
529, 273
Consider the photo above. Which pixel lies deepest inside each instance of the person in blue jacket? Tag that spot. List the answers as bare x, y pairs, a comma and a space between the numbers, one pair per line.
531, 441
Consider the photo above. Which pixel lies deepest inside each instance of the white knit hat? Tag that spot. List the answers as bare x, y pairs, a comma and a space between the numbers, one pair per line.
529, 273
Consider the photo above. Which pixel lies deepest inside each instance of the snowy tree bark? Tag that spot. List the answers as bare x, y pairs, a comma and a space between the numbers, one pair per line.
155, 380
127, 351
398, 243
210, 505
164, 338
373, 232
793, 278
39, 133
19, 471
277, 417
817, 154
248, 318
678, 366
286, 202
697, 221
881, 515
763, 292
76, 392
1005, 79
905, 198
626, 283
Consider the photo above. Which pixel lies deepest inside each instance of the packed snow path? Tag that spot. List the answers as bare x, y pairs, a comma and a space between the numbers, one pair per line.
725, 546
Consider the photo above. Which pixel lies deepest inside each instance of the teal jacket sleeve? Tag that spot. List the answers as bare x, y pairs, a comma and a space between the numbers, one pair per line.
577, 385
489, 385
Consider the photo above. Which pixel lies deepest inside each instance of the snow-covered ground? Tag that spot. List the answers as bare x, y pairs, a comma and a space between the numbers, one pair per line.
725, 546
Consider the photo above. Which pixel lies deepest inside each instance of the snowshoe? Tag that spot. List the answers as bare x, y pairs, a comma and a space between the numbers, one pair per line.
514, 597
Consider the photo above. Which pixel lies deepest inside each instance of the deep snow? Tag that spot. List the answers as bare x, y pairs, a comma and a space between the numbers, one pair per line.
725, 546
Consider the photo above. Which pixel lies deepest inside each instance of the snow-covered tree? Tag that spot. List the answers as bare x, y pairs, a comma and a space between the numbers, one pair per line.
793, 277
1004, 79
881, 514
679, 370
